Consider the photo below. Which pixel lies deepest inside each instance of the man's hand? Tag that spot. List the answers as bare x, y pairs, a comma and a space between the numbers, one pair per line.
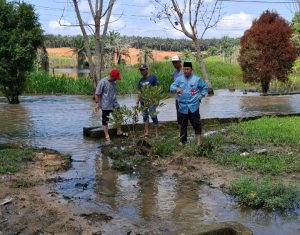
178, 91
97, 108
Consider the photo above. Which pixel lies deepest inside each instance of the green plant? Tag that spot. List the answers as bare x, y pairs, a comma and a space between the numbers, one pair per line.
164, 148
11, 159
45, 83
268, 193
20, 36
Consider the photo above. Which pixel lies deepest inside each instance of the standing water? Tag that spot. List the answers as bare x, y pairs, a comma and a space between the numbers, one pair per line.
141, 202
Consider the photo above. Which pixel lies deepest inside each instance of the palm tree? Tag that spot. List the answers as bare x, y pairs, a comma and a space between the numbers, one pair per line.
144, 55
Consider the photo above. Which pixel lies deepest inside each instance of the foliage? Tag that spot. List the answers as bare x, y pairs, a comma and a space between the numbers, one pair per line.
267, 193
125, 158
20, 36
295, 25
145, 55
45, 83
152, 96
164, 148
222, 75
11, 159
153, 43
267, 51
277, 135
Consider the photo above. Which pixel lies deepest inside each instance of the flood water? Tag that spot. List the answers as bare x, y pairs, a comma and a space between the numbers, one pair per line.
139, 202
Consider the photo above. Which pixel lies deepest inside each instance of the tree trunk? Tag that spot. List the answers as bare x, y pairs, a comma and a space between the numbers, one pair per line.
202, 66
265, 85
12, 98
86, 43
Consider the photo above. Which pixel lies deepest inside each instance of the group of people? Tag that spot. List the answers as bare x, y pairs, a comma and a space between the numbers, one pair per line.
189, 89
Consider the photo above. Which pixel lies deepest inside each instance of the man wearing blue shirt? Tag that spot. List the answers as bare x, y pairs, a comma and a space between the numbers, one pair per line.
145, 81
190, 89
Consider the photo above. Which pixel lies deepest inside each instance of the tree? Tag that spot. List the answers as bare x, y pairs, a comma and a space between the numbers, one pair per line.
42, 60
144, 55
267, 51
185, 16
98, 12
295, 24
20, 36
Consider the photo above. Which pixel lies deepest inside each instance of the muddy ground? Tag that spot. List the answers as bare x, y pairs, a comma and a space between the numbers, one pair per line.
33, 207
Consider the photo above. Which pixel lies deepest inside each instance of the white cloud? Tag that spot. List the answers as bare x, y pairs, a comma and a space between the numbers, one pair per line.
235, 24
116, 23
147, 11
55, 24
63, 27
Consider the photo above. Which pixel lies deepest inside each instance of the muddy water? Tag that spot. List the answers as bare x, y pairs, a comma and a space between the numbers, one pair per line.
139, 202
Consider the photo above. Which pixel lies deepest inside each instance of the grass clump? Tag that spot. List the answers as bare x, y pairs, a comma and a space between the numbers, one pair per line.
279, 136
11, 159
163, 148
45, 83
264, 193
125, 158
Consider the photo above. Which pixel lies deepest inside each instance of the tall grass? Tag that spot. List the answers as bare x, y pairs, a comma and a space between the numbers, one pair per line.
221, 75
62, 62
44, 83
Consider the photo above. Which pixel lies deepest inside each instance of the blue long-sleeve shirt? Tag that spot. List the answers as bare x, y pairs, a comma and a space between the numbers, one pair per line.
193, 89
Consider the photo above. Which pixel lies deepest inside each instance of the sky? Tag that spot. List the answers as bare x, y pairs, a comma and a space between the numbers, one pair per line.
133, 17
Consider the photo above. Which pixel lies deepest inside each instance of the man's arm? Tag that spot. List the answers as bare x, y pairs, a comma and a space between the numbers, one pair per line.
175, 87
98, 94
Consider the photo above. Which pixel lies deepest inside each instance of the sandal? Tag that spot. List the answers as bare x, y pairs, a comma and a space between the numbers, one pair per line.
123, 134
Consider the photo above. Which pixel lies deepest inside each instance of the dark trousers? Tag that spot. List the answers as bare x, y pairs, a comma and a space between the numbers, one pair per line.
194, 119
178, 114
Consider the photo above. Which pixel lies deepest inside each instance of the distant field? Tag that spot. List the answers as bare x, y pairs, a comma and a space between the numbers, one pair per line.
58, 55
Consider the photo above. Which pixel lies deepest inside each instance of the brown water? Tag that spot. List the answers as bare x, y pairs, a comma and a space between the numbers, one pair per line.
141, 201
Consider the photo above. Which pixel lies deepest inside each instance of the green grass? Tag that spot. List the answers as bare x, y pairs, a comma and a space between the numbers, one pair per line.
280, 136
62, 62
221, 75
11, 159
44, 83
268, 193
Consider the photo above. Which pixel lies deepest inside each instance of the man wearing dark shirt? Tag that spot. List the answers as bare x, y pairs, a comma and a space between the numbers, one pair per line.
146, 81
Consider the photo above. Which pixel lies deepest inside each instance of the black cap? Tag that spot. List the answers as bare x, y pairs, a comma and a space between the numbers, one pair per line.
187, 64
143, 67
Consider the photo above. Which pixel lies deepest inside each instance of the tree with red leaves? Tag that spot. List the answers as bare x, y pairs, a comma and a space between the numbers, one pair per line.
267, 51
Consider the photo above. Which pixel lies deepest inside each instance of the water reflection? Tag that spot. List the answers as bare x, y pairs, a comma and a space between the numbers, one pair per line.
15, 121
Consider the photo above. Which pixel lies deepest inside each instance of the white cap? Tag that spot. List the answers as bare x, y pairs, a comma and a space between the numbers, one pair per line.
175, 58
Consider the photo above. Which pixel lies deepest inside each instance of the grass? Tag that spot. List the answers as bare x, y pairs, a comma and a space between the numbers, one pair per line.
44, 83
221, 75
11, 159
268, 193
280, 136
62, 62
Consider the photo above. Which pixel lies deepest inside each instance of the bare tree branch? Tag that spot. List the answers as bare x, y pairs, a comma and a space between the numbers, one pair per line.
91, 8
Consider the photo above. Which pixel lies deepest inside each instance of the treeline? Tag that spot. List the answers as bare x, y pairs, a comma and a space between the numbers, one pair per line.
153, 43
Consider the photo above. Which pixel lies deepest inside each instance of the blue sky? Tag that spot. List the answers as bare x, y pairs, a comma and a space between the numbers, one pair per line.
237, 16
